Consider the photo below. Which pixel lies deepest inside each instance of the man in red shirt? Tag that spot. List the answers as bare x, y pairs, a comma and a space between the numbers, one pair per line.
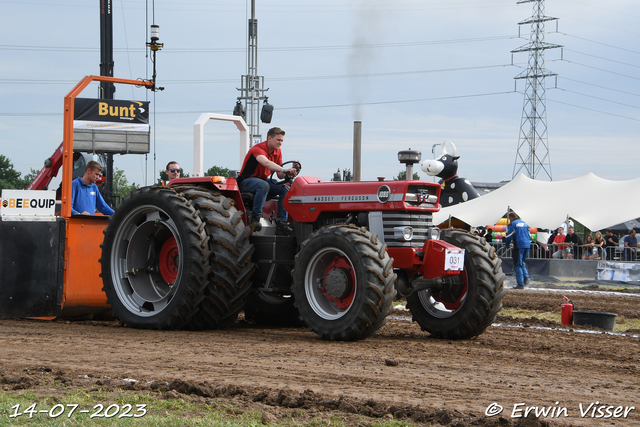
260, 162
561, 250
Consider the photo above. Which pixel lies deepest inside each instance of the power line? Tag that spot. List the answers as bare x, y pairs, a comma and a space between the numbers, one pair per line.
601, 87
596, 111
625, 13
32, 114
602, 44
29, 114
601, 99
389, 45
601, 69
183, 50
37, 82
271, 49
604, 59
392, 73
51, 48
279, 79
400, 101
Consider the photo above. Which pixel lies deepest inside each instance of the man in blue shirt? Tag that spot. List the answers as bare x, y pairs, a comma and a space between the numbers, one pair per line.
85, 197
518, 230
630, 245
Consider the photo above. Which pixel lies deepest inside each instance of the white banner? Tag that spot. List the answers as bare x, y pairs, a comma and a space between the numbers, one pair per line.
28, 205
96, 125
620, 271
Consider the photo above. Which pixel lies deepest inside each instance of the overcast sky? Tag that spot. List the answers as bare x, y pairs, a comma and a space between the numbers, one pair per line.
415, 72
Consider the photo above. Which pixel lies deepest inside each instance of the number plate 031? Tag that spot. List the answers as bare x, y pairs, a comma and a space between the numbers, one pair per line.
454, 260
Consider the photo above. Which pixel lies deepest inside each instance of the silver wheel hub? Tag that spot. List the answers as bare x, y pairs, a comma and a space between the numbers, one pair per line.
336, 283
140, 287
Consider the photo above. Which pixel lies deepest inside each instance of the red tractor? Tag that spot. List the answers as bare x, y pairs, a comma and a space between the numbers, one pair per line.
182, 256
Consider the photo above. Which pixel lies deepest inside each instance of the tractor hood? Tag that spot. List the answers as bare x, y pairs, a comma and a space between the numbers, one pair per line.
309, 197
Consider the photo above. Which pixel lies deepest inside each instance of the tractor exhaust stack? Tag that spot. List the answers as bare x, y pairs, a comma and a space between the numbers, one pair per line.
357, 149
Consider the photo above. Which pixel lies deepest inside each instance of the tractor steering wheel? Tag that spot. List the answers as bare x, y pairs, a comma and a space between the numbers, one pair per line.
287, 179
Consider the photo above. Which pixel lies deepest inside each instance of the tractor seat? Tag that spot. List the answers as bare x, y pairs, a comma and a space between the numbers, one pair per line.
247, 199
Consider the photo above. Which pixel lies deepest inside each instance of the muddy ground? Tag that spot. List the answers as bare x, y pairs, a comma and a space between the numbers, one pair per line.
399, 373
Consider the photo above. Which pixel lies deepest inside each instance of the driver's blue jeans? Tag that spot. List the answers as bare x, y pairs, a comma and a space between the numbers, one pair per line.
260, 189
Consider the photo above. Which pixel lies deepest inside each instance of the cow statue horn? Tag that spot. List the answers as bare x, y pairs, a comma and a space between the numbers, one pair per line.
444, 149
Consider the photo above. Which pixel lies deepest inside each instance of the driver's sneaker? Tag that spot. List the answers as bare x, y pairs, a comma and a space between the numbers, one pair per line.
526, 281
283, 228
518, 287
255, 223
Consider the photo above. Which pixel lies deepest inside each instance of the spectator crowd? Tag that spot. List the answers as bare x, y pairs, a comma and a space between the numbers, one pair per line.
566, 243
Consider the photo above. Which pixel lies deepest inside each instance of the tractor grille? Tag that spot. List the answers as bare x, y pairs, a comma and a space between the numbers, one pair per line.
420, 222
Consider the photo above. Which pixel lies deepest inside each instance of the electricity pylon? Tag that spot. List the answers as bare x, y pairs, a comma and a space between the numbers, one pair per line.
533, 146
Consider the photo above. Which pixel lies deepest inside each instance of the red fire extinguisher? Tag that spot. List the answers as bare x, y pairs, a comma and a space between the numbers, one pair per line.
567, 312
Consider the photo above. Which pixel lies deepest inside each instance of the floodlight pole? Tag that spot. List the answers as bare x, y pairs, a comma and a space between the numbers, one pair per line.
252, 89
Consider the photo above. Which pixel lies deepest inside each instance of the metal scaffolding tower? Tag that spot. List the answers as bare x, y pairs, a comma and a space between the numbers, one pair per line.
252, 89
533, 146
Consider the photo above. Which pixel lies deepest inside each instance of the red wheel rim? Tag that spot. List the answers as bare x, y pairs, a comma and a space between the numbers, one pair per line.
168, 261
340, 266
449, 305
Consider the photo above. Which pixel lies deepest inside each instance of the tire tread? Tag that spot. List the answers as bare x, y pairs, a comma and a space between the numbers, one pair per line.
378, 289
483, 304
228, 283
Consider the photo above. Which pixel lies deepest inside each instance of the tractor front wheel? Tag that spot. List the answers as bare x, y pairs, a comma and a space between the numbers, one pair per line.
343, 283
469, 308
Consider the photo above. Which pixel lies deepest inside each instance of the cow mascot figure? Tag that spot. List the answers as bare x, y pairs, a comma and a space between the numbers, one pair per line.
454, 189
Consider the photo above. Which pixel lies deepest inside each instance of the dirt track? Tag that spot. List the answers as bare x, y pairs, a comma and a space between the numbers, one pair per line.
398, 373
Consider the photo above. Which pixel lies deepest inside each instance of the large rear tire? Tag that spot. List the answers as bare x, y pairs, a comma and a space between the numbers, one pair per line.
229, 282
155, 260
474, 305
343, 283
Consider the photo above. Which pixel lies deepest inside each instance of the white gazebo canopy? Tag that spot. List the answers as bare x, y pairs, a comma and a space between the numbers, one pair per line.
595, 202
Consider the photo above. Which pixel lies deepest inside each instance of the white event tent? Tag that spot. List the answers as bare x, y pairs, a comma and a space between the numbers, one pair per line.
593, 201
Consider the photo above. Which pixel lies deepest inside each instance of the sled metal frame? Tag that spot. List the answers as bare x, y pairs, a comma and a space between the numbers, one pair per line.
82, 285
67, 142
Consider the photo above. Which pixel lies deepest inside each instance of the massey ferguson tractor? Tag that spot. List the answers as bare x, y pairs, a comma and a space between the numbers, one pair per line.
181, 256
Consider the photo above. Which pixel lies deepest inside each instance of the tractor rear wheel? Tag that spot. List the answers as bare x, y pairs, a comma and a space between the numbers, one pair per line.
229, 282
155, 260
343, 283
468, 311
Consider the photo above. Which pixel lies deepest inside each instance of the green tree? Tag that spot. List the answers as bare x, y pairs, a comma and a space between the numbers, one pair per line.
403, 174
121, 186
9, 177
218, 171
30, 177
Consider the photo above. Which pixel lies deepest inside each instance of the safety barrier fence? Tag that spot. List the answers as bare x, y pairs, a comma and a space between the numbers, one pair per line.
562, 251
